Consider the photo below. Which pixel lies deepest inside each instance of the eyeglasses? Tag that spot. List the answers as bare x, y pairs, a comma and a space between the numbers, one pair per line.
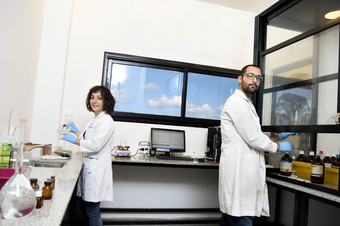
259, 78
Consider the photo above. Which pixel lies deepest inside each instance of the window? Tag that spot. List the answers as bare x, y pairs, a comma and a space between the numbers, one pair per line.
166, 92
146, 90
207, 94
301, 81
298, 51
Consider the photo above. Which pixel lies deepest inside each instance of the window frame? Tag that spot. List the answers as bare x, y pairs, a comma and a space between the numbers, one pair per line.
182, 120
260, 50
261, 22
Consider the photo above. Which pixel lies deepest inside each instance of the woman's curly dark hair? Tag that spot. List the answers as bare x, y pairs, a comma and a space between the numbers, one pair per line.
108, 99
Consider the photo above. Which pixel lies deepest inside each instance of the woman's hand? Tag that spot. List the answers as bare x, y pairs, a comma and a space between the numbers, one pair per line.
74, 129
69, 137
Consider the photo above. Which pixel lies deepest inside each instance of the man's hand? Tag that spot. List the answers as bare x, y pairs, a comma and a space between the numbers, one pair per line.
283, 136
286, 146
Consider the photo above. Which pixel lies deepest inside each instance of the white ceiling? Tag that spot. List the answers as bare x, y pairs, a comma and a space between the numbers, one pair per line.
256, 6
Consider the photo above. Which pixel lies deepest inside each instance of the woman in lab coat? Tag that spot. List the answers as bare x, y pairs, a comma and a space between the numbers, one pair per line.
96, 142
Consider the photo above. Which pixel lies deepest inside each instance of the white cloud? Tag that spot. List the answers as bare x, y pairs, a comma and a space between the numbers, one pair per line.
150, 86
205, 109
120, 95
220, 107
164, 102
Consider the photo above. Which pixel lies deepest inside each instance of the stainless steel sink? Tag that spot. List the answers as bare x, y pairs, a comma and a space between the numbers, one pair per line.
48, 164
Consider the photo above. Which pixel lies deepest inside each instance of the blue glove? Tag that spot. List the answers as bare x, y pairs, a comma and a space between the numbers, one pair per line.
286, 146
74, 129
283, 136
68, 137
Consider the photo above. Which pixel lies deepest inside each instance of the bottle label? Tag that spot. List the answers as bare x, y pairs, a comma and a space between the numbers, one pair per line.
317, 171
328, 164
286, 166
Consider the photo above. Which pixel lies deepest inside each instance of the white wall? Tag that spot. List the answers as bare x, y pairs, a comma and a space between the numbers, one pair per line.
188, 31
20, 29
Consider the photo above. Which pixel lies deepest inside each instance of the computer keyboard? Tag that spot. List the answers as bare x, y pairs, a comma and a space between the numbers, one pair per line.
178, 158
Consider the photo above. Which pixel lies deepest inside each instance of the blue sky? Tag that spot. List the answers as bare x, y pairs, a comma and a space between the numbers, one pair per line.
158, 91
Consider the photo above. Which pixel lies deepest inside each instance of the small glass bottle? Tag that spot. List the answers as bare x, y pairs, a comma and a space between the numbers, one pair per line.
53, 182
317, 170
311, 157
286, 165
34, 184
40, 199
334, 161
301, 156
47, 190
327, 161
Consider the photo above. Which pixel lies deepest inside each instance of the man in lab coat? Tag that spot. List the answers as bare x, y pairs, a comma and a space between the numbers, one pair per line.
242, 188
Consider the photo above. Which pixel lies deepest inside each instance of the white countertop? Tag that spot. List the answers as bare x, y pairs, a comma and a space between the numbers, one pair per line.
52, 213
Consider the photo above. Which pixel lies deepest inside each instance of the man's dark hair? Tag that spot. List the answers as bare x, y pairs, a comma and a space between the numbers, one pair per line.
108, 99
244, 69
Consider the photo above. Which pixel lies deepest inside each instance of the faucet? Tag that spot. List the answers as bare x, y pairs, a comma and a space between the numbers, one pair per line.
36, 146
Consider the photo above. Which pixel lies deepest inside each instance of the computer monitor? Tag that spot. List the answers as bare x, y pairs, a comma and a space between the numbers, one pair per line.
167, 140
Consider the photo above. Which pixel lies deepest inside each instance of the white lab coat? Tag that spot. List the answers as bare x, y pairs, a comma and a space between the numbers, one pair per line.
242, 187
95, 180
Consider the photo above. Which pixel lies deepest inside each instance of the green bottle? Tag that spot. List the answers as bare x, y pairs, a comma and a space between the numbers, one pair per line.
5, 152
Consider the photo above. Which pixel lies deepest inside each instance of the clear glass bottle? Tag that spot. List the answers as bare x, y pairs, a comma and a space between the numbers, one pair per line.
17, 198
317, 170
286, 165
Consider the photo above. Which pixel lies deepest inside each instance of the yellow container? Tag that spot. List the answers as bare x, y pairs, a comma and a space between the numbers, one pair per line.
331, 176
302, 169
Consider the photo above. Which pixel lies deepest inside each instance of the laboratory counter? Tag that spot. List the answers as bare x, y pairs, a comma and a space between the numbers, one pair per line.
305, 199
53, 211
142, 160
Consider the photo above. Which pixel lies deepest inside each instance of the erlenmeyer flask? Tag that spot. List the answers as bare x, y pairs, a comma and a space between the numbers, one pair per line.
66, 144
17, 198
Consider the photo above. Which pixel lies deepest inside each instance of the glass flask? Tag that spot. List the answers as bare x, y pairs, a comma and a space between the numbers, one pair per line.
17, 198
63, 145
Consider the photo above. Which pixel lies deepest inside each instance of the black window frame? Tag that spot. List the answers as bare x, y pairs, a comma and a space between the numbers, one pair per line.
261, 22
164, 64
260, 50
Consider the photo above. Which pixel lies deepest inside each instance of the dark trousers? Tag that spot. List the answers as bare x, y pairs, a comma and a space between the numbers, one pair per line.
90, 212
228, 220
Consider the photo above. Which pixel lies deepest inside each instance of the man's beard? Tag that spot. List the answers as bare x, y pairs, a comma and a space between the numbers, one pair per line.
246, 88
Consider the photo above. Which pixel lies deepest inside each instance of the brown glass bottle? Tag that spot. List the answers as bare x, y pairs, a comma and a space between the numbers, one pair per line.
53, 182
327, 161
301, 156
311, 157
40, 199
335, 162
286, 165
317, 170
34, 184
47, 190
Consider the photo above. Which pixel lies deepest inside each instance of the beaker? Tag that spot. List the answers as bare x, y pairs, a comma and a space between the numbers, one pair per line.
17, 198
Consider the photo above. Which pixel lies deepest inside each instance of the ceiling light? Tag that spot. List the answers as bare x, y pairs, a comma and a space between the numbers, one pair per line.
332, 15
